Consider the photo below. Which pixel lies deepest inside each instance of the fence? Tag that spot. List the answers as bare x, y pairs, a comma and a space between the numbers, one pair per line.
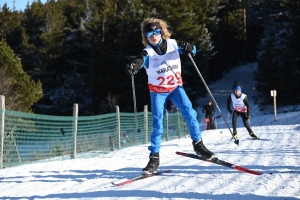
27, 138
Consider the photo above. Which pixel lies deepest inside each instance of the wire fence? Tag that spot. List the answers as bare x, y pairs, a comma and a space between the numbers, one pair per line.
27, 138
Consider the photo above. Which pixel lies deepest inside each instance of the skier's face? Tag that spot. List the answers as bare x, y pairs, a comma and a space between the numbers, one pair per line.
237, 92
154, 36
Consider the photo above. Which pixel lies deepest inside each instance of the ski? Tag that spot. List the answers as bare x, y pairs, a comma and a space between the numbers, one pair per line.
220, 162
140, 178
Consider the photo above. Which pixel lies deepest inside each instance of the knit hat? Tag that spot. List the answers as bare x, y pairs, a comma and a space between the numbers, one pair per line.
152, 26
237, 88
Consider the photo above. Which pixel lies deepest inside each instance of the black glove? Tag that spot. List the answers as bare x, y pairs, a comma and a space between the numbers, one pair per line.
230, 112
247, 117
187, 48
131, 69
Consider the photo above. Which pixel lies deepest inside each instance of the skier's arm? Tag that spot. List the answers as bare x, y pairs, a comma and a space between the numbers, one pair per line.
136, 64
246, 102
228, 104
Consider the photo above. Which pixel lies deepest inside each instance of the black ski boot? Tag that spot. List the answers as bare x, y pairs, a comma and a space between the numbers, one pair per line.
253, 135
201, 150
152, 164
234, 135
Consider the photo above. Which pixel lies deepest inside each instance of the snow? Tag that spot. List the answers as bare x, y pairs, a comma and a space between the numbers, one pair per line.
276, 155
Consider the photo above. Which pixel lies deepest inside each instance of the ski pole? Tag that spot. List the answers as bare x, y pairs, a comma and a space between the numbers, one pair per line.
223, 124
134, 102
209, 92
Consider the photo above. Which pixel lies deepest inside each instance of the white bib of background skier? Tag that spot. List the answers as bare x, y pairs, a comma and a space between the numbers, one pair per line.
238, 104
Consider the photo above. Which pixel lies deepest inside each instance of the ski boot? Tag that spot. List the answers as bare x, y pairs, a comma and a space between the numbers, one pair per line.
253, 135
234, 135
201, 150
152, 165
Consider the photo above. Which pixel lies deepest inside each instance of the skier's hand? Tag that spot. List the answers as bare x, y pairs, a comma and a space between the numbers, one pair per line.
187, 48
131, 69
247, 117
229, 112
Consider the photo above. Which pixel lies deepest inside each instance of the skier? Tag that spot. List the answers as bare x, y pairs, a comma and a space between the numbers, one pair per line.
209, 111
241, 108
161, 60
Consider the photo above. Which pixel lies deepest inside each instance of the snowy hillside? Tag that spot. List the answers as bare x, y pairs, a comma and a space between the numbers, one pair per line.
276, 155
277, 152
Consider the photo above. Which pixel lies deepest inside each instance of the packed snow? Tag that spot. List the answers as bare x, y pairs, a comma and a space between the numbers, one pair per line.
276, 155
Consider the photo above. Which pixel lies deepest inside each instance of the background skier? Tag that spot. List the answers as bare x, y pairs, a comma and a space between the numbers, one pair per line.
241, 107
209, 111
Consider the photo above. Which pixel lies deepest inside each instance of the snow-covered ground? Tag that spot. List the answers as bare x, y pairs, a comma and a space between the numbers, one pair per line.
276, 155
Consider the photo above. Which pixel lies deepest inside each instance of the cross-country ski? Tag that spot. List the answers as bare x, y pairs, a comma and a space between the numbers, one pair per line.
220, 162
139, 178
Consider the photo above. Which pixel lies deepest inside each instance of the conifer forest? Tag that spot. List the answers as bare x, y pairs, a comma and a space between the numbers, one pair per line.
62, 52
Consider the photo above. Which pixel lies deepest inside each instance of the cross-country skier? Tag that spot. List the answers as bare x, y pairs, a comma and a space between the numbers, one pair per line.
209, 111
241, 107
161, 60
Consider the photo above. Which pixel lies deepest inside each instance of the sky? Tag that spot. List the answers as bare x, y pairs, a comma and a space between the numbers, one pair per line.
276, 155
19, 4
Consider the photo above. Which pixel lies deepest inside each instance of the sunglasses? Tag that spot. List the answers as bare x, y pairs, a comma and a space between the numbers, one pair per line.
154, 32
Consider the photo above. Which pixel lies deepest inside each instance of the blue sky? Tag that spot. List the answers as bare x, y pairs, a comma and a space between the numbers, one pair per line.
20, 4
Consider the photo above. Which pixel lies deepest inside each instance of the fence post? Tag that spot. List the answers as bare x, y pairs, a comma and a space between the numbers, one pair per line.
146, 123
75, 123
178, 123
274, 94
118, 127
2, 115
167, 125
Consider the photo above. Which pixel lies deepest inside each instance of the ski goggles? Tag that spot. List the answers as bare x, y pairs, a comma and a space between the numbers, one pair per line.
154, 32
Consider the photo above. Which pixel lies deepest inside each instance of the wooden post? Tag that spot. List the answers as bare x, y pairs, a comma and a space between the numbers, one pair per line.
118, 127
75, 123
274, 94
2, 115
146, 123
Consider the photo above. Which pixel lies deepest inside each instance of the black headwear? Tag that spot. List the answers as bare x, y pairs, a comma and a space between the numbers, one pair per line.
152, 26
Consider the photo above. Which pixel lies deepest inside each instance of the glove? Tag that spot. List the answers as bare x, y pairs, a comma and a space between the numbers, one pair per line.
131, 69
187, 48
247, 117
230, 112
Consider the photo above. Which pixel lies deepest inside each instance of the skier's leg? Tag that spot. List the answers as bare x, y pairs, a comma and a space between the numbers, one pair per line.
181, 100
246, 122
234, 118
247, 125
211, 122
158, 109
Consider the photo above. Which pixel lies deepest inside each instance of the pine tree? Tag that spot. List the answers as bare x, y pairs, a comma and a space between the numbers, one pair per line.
278, 58
20, 90
10, 29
